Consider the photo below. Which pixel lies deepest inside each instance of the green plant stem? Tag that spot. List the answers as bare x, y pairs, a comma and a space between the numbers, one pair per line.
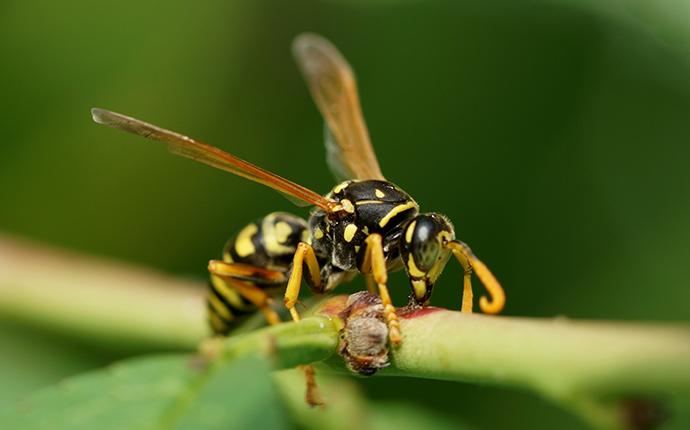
584, 366
555, 356
106, 303
581, 365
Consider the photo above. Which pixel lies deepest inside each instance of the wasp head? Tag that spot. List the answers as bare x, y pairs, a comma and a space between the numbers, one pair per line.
424, 252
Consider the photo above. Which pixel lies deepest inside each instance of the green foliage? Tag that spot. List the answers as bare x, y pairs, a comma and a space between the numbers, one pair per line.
158, 392
553, 132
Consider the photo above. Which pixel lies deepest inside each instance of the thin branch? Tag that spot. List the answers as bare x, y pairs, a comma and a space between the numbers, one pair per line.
587, 367
107, 303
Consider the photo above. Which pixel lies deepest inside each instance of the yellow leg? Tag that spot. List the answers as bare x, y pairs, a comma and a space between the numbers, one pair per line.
375, 260
470, 262
252, 293
227, 274
303, 254
371, 285
246, 272
467, 295
261, 300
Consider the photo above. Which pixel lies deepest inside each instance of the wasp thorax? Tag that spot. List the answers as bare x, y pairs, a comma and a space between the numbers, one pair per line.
423, 252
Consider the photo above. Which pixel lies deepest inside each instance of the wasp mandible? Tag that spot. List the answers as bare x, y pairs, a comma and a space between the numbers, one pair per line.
365, 224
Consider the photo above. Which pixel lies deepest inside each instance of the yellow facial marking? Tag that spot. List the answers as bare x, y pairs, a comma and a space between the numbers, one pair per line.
413, 269
410, 230
438, 267
419, 288
318, 234
396, 210
349, 232
243, 243
348, 206
282, 231
379, 193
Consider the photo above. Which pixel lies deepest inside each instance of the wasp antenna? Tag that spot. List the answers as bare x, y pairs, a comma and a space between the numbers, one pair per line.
467, 259
493, 287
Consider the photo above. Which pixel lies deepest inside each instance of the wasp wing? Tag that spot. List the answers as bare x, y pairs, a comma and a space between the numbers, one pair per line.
334, 90
187, 147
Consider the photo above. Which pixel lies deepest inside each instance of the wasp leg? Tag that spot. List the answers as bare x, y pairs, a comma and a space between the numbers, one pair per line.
225, 283
222, 277
374, 261
467, 295
246, 272
371, 284
304, 255
470, 262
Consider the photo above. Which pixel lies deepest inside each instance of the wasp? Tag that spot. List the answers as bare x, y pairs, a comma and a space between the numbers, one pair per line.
365, 224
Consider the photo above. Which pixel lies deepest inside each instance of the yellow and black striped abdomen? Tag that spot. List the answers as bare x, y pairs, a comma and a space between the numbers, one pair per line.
267, 244
226, 307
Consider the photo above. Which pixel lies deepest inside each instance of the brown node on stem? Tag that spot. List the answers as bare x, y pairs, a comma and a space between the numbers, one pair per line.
364, 337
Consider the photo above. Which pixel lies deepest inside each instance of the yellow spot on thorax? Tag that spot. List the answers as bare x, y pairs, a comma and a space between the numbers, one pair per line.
368, 202
341, 186
349, 232
318, 233
348, 206
396, 210
379, 193
243, 244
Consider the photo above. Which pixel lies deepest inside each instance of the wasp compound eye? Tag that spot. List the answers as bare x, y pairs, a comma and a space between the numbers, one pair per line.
422, 241
425, 251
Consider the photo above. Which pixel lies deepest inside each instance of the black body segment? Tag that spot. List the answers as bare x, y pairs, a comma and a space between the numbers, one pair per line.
369, 206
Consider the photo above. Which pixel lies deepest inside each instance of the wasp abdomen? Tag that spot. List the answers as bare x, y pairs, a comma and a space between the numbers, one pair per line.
267, 243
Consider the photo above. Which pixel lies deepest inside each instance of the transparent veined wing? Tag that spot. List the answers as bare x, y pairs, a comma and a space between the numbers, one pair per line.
187, 147
332, 85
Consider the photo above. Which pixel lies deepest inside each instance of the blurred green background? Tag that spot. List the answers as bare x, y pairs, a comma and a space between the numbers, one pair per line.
553, 133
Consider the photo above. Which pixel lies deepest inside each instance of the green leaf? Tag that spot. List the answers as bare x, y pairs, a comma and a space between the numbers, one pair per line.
404, 416
160, 392
238, 396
